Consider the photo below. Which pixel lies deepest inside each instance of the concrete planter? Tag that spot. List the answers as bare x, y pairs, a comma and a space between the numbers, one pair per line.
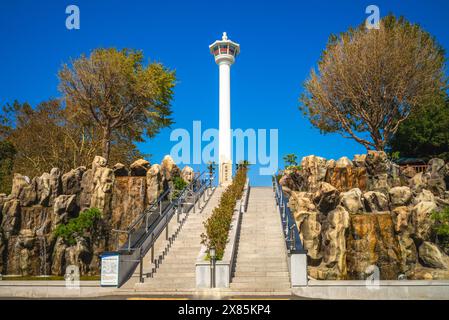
223, 268
297, 267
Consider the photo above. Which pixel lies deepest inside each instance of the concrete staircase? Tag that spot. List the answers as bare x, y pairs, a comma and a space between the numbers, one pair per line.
177, 269
261, 262
260, 266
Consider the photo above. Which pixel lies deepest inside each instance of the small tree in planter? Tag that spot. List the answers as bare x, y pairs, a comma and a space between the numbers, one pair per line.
218, 225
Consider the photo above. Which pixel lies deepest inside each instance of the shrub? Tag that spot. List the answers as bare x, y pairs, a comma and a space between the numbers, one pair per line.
279, 176
244, 163
218, 225
441, 226
178, 184
78, 226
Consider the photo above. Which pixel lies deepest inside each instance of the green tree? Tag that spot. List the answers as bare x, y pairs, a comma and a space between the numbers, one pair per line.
441, 227
50, 135
121, 95
369, 81
79, 226
291, 160
178, 185
425, 134
7, 155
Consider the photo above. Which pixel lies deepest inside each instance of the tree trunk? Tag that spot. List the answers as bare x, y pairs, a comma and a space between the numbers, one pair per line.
106, 143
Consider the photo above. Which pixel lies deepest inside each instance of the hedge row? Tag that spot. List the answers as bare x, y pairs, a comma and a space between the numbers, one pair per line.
218, 224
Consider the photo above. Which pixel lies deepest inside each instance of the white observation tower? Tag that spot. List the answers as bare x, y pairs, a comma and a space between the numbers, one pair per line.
225, 51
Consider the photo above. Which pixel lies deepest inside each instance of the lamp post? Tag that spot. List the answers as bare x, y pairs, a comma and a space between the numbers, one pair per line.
212, 256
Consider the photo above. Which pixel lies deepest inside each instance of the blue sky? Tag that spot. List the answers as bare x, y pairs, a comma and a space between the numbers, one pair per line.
280, 42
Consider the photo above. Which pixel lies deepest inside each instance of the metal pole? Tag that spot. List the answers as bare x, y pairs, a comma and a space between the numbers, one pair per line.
152, 248
212, 272
141, 267
146, 222
213, 263
166, 228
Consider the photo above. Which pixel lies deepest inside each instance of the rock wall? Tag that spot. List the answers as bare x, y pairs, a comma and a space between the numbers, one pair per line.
356, 215
35, 207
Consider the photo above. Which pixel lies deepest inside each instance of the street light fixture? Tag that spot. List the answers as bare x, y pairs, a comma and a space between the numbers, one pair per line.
212, 256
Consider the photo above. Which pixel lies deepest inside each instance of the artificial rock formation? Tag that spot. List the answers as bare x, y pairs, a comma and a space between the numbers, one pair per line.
155, 183
120, 170
326, 197
365, 213
344, 175
431, 256
187, 174
36, 207
372, 241
334, 239
352, 201
375, 201
313, 170
139, 167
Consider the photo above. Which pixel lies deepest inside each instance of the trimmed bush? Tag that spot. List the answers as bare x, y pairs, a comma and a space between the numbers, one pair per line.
219, 223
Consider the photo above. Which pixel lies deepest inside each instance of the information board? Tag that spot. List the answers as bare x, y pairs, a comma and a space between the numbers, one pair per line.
109, 269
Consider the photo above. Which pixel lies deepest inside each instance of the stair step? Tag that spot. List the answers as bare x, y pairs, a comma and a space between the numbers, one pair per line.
260, 285
166, 285
271, 274
260, 263
169, 280
171, 273
264, 280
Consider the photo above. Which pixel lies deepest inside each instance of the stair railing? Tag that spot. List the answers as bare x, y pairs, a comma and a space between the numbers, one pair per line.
143, 232
291, 232
297, 255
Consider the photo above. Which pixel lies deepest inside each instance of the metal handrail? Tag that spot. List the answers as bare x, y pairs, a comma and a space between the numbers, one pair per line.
190, 187
131, 255
290, 229
162, 212
145, 212
145, 215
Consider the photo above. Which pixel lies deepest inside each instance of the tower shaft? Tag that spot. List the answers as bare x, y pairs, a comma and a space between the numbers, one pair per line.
225, 113
225, 51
